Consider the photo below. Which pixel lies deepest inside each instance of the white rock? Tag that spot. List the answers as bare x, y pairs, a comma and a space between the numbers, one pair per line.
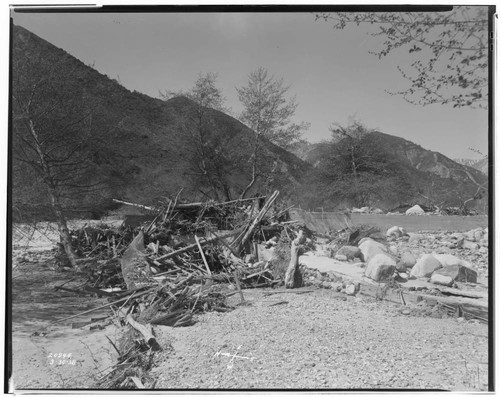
340, 257
370, 248
380, 267
441, 279
415, 210
469, 245
393, 231
449, 260
425, 266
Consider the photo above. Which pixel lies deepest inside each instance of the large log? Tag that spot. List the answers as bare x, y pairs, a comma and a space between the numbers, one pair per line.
291, 279
146, 332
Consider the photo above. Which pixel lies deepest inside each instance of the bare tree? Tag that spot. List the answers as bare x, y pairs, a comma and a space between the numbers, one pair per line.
448, 51
268, 112
51, 134
212, 158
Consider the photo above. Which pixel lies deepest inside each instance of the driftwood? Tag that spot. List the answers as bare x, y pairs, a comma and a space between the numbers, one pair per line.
100, 307
146, 332
135, 205
194, 246
202, 254
238, 243
238, 286
197, 205
293, 268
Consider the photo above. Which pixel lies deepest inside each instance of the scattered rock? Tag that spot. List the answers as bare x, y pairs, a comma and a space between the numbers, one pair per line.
466, 244
352, 289
380, 267
340, 257
425, 266
441, 279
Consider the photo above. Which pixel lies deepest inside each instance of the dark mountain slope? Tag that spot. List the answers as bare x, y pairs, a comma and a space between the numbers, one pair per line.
140, 148
411, 174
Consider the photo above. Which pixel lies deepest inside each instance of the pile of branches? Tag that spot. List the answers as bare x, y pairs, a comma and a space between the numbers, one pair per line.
164, 272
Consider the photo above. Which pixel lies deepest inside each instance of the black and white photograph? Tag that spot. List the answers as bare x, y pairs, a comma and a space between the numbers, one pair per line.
250, 198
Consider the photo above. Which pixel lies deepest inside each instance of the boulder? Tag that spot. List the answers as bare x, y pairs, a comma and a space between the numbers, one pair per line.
441, 279
408, 259
380, 267
458, 272
415, 210
363, 240
370, 248
425, 266
377, 211
474, 235
352, 289
340, 257
394, 231
466, 244
349, 251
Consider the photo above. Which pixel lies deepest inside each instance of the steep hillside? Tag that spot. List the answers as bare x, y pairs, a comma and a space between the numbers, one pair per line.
397, 171
138, 148
480, 165
428, 161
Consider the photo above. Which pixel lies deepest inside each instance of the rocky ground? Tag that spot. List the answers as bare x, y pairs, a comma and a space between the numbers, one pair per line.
323, 340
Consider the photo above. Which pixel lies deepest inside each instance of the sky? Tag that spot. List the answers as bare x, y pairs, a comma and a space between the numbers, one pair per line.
330, 71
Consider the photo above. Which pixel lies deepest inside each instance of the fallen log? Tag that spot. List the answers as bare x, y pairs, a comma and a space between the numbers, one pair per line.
295, 291
145, 331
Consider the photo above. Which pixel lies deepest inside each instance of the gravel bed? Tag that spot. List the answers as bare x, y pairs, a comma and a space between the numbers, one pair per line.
322, 340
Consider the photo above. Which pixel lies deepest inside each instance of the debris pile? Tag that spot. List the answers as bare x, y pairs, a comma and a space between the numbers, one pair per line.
183, 260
